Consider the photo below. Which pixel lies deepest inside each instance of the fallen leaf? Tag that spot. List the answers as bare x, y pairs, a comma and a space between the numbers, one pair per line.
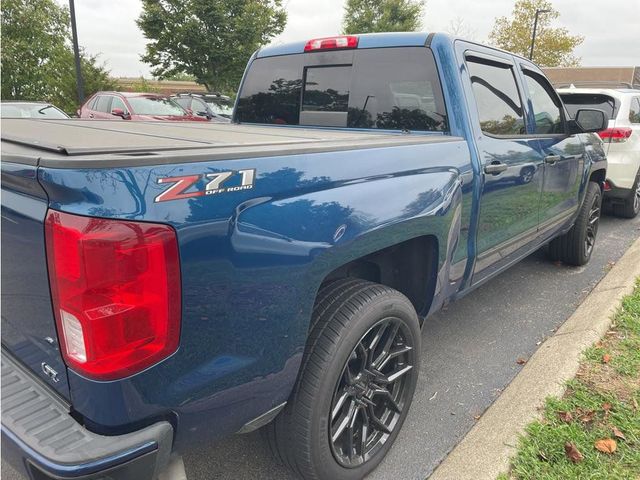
635, 404
587, 417
573, 453
598, 345
606, 358
606, 445
606, 406
542, 456
566, 417
617, 433
521, 361
476, 417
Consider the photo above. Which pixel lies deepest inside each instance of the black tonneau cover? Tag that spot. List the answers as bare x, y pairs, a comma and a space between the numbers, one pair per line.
102, 143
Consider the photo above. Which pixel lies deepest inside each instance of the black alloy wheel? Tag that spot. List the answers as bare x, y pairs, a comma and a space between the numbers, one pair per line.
371, 393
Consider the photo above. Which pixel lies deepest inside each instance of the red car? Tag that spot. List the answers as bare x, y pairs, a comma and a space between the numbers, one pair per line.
135, 106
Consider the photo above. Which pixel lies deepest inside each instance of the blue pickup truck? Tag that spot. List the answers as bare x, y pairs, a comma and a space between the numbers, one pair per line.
165, 286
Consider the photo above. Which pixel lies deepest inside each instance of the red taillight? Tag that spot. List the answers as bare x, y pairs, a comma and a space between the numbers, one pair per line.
116, 293
331, 43
616, 135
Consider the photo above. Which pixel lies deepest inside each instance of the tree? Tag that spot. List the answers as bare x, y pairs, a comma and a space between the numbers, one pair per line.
458, 28
553, 46
368, 16
209, 39
37, 58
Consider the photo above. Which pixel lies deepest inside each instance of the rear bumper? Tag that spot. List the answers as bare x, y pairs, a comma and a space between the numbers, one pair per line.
616, 192
43, 441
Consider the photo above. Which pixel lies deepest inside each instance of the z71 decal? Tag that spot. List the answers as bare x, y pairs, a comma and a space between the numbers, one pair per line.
215, 184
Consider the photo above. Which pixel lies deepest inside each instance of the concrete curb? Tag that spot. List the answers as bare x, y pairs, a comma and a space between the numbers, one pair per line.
485, 451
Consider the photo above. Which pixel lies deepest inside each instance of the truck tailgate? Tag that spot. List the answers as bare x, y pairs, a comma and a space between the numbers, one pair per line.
28, 327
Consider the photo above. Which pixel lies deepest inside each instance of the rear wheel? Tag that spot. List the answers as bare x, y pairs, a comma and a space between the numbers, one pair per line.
576, 246
631, 205
357, 380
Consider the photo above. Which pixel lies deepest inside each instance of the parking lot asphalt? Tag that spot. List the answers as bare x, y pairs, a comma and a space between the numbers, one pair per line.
470, 354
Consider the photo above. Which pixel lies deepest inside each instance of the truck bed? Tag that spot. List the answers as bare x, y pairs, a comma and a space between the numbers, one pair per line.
80, 143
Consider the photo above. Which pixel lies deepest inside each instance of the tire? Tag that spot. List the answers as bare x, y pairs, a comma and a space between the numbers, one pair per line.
526, 175
631, 205
332, 384
576, 246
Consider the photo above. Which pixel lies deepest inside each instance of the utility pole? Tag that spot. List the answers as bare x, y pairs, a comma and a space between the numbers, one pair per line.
535, 27
76, 53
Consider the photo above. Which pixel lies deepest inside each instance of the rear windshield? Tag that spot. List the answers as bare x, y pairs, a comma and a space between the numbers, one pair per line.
576, 101
390, 88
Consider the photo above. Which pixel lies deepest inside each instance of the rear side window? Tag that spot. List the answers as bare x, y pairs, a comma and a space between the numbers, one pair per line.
496, 93
391, 88
634, 110
576, 101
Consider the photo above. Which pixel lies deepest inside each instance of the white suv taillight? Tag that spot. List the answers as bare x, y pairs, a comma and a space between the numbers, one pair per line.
616, 134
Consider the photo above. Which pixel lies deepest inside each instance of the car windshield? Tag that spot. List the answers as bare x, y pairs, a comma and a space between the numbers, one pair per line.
29, 110
155, 106
576, 101
221, 107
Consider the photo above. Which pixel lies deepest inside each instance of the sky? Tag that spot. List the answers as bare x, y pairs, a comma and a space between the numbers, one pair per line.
611, 28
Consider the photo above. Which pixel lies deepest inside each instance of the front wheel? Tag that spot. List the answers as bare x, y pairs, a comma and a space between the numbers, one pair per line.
357, 380
576, 246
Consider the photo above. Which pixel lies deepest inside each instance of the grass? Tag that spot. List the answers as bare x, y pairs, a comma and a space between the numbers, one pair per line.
601, 402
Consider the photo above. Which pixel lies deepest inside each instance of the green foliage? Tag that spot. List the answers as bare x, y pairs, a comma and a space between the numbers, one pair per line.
553, 47
37, 59
212, 40
369, 16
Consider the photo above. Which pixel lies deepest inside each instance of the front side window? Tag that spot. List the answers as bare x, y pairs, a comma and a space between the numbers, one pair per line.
118, 103
496, 93
103, 104
546, 108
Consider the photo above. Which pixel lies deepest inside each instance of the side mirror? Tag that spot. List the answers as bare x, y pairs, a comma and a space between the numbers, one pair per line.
118, 112
590, 120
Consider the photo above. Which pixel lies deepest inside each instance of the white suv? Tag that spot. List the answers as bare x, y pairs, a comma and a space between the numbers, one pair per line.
621, 139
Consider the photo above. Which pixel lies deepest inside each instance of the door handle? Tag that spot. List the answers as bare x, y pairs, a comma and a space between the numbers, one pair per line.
91, 115
495, 168
552, 159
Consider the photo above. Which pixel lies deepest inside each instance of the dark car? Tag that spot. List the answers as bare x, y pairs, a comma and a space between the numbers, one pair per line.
22, 109
135, 106
212, 106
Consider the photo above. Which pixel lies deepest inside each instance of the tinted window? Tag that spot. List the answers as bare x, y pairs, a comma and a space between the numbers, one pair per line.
118, 103
634, 111
271, 91
575, 101
326, 89
497, 99
546, 109
391, 88
102, 105
397, 88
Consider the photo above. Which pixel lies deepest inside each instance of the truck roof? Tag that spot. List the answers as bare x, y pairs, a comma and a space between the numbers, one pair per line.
79, 143
365, 40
